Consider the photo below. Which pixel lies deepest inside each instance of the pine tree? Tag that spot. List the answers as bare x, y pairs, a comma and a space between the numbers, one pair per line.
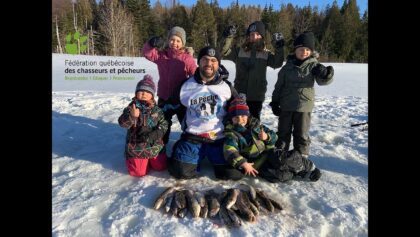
204, 25
360, 53
332, 38
219, 18
285, 23
351, 24
303, 20
158, 13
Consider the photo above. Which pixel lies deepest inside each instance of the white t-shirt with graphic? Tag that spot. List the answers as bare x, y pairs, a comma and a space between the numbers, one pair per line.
206, 107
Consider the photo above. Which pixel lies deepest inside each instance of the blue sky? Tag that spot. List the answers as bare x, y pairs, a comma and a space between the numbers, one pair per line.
362, 4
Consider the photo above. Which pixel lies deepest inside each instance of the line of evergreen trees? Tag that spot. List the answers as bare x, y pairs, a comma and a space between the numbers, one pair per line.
121, 27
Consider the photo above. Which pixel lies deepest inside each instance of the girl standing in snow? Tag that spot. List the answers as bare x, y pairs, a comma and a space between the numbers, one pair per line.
294, 94
146, 126
175, 65
251, 62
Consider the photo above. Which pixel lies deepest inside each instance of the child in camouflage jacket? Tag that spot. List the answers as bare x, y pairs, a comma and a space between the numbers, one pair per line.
146, 126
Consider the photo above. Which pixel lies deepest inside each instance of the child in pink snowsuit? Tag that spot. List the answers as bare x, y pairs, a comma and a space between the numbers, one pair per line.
175, 65
146, 126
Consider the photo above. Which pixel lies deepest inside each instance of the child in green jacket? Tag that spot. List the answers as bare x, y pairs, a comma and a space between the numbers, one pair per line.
249, 147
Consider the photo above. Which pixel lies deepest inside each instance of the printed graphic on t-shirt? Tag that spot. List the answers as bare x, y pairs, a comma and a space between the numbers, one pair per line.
205, 106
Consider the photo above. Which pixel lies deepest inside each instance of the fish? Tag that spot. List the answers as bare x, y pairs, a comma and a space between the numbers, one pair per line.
236, 221
192, 203
231, 197
204, 209
174, 208
244, 210
183, 212
254, 209
161, 198
276, 204
251, 191
168, 201
200, 198
265, 200
180, 200
213, 205
224, 216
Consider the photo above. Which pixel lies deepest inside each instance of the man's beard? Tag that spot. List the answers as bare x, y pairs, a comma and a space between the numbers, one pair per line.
207, 75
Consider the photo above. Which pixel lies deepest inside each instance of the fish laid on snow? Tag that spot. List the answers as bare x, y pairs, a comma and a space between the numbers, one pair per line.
161, 198
231, 197
180, 200
276, 204
265, 200
244, 210
251, 191
168, 201
192, 203
213, 205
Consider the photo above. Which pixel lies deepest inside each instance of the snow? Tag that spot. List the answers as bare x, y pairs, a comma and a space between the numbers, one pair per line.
94, 196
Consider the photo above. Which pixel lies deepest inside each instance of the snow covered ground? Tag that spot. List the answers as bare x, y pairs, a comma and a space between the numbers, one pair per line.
94, 196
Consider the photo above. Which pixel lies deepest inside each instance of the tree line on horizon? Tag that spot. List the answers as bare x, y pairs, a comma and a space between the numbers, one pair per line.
121, 27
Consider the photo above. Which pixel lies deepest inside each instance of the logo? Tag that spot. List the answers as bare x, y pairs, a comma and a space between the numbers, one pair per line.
252, 28
211, 52
72, 43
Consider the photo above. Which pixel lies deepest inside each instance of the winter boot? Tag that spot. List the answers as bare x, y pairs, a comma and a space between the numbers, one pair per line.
315, 175
312, 175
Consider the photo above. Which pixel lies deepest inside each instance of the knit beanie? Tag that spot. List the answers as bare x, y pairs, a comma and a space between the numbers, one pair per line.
146, 84
306, 39
180, 32
237, 107
209, 51
257, 26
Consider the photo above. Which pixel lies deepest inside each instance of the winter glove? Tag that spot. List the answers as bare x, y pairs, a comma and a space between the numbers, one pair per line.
276, 108
156, 42
230, 31
321, 71
278, 40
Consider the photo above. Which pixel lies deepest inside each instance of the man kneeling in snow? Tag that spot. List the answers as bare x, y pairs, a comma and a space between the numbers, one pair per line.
205, 95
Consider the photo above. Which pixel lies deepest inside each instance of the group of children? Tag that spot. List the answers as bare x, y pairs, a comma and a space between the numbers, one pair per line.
249, 146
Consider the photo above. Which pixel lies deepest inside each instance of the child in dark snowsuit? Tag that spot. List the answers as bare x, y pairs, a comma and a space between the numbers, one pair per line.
294, 93
146, 126
249, 147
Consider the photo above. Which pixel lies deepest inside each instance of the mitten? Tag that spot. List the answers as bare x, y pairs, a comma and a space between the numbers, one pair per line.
275, 107
156, 42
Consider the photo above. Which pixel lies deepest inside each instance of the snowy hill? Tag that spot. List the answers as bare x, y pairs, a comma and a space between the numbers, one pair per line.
94, 196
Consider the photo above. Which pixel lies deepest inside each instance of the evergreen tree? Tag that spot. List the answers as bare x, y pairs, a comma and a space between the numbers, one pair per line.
158, 13
333, 33
235, 17
204, 25
351, 24
219, 18
303, 20
285, 23
360, 53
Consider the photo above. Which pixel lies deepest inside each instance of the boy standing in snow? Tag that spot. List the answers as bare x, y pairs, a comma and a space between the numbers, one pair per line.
249, 147
294, 93
251, 61
175, 65
146, 126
